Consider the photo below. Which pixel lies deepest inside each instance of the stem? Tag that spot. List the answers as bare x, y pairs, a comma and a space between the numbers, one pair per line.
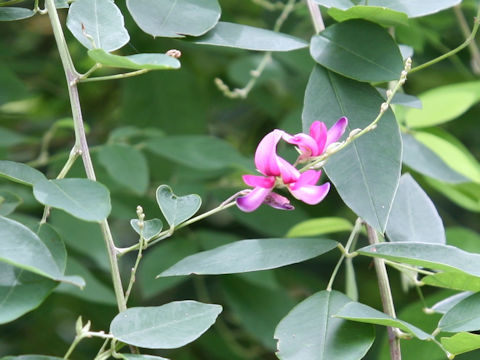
454, 51
112, 77
385, 295
353, 235
72, 347
466, 32
81, 141
141, 244
316, 15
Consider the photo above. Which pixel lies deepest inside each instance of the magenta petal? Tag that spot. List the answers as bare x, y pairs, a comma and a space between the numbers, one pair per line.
278, 202
318, 131
309, 177
336, 131
266, 154
311, 194
288, 172
307, 145
259, 181
253, 199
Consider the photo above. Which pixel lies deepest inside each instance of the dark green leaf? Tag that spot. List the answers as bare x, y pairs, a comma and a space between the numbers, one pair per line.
320, 226
141, 357
175, 18
97, 24
19, 172
250, 38
413, 216
164, 327
134, 62
345, 48
309, 332
10, 138
16, 89
365, 314
85, 199
461, 343
366, 173
376, 14
15, 13
151, 227
464, 316
31, 357
420, 158
250, 255
8, 202
126, 165
177, 209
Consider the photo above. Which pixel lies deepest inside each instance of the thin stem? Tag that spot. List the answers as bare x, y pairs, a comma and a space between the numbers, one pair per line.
469, 39
90, 71
113, 77
353, 235
385, 295
316, 15
141, 244
81, 141
72, 347
466, 32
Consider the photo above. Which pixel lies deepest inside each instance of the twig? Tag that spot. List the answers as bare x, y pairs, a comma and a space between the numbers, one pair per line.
316, 15
466, 32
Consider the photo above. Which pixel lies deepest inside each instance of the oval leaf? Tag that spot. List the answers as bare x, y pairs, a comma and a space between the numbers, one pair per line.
464, 316
31, 357
445, 305
321, 226
97, 24
168, 18
309, 332
413, 216
177, 209
141, 357
8, 202
366, 173
15, 13
250, 38
365, 314
251, 255
126, 165
134, 62
345, 48
151, 228
19, 172
85, 199
455, 281
461, 343
164, 327
376, 14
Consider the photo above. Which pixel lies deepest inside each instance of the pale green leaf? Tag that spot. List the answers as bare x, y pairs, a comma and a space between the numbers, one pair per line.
461, 343
446, 304
376, 14
15, 13
134, 62
8, 202
177, 209
19, 172
151, 228
320, 226
466, 195
464, 316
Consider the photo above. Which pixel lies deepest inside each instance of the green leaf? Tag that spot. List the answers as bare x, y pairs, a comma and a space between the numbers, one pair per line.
345, 48
199, 152
413, 8
97, 24
178, 18
351, 287
141, 357
444, 103
309, 332
461, 343
365, 314
250, 38
463, 238
31, 357
85, 199
8, 202
19, 172
464, 316
423, 160
21, 247
376, 14
446, 304
16, 89
177, 209
164, 327
366, 173
466, 195
10, 138
320, 226
250, 255
126, 165
134, 62
414, 216
15, 13
451, 151
455, 281
151, 228
402, 99
433, 256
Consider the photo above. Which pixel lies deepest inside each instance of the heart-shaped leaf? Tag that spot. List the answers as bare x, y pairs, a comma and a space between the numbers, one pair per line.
177, 209
150, 228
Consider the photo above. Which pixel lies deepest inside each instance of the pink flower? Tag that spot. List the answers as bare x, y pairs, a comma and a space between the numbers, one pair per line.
279, 172
319, 139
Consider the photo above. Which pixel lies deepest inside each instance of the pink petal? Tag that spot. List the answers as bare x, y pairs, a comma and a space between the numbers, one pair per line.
309, 177
336, 131
278, 202
288, 172
266, 154
307, 145
318, 131
253, 199
259, 181
311, 194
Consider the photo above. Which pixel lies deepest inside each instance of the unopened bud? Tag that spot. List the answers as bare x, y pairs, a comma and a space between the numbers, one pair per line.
139, 210
331, 148
389, 93
174, 53
408, 64
403, 74
78, 325
354, 132
384, 107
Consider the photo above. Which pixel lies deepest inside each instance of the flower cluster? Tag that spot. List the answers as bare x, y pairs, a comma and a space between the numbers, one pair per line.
279, 173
